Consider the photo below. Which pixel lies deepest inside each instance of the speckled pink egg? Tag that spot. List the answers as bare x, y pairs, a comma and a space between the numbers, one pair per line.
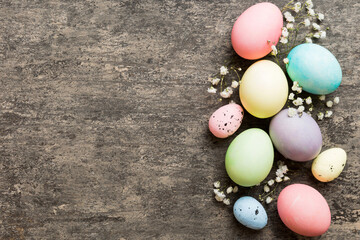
226, 120
256, 30
304, 210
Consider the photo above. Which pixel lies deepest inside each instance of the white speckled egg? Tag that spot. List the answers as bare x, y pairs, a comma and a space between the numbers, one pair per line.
329, 164
226, 120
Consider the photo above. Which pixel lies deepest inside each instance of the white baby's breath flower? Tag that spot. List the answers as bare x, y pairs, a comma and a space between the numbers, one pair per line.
297, 7
217, 184
322, 98
269, 200
322, 34
295, 86
285, 32
289, 17
279, 173
286, 178
299, 101
317, 35
215, 81
290, 26
309, 4
310, 109
234, 84
271, 182
299, 90
292, 112
278, 179
336, 100
266, 188
239, 69
229, 190
308, 40
308, 100
316, 26
219, 199
320, 116
286, 60
329, 104
311, 12
274, 50
284, 40
284, 169
306, 22
224, 70
220, 194
328, 114
226, 93
226, 201
320, 16
291, 96
211, 90
235, 189
301, 109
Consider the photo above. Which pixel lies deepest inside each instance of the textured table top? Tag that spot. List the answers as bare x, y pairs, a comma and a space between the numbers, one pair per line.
104, 112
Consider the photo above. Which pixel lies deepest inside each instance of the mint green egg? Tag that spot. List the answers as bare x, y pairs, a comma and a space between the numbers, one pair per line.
249, 157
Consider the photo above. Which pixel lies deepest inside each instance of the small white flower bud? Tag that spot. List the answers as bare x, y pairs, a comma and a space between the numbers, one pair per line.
226, 201
229, 190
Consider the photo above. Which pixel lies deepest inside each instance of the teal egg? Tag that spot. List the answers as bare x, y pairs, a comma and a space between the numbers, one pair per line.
315, 68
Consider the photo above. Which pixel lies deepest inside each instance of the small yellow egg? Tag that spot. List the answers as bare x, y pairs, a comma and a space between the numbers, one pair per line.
329, 164
263, 89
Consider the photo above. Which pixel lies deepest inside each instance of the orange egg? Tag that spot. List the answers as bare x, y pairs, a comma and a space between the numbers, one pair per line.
256, 30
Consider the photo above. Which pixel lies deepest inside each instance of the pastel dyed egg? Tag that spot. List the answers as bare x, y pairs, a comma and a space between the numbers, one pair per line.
297, 138
226, 120
249, 157
256, 30
304, 210
263, 89
250, 213
329, 164
315, 68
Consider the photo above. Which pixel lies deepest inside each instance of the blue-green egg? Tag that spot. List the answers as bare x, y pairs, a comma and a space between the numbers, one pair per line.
315, 68
250, 213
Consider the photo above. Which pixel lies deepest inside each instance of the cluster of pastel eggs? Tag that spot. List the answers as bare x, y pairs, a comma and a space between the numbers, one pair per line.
263, 93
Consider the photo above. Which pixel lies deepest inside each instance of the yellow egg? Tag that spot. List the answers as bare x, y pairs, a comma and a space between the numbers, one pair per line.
329, 164
263, 89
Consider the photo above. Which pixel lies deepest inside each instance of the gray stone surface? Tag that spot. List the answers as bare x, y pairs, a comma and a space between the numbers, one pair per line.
103, 123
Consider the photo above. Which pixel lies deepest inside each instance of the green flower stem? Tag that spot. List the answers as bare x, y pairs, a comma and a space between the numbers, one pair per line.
286, 6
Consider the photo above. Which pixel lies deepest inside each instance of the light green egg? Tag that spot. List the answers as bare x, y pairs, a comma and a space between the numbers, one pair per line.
249, 157
329, 164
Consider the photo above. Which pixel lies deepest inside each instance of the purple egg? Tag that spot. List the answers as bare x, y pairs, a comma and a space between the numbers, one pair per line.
297, 138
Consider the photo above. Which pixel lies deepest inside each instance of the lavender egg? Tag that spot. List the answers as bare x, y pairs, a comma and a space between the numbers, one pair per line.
297, 138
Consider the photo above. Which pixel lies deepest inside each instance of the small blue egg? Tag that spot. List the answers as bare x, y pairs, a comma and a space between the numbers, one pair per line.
250, 213
315, 68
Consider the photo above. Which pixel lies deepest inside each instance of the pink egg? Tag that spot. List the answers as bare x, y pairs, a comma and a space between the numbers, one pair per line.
304, 210
256, 30
226, 120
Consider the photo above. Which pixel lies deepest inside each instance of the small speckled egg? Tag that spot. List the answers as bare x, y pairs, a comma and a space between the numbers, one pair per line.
263, 89
256, 30
249, 157
297, 138
329, 164
315, 68
250, 213
304, 210
226, 120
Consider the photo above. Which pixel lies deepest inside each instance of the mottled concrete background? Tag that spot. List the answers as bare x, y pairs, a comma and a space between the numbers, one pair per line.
103, 123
